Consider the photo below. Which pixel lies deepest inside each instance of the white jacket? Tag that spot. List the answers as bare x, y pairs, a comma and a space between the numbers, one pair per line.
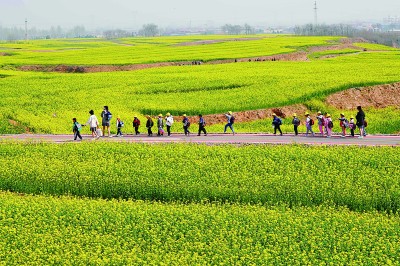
170, 120
92, 122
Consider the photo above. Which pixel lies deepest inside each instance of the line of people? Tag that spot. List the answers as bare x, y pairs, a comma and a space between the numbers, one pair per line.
325, 124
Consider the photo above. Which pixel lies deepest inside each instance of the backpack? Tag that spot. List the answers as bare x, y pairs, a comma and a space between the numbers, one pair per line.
188, 123
121, 123
108, 116
365, 123
136, 121
330, 124
78, 126
296, 121
232, 119
311, 122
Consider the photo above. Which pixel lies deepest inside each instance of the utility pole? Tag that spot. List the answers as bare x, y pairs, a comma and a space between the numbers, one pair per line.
315, 13
26, 29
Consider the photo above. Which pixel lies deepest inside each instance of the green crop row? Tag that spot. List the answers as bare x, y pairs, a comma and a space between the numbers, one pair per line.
69, 231
46, 102
145, 50
362, 179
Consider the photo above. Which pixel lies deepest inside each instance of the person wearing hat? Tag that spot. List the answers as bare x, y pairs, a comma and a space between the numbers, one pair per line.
149, 125
352, 126
231, 120
169, 120
160, 125
344, 123
186, 125
321, 122
202, 125
276, 122
136, 124
330, 125
296, 124
309, 124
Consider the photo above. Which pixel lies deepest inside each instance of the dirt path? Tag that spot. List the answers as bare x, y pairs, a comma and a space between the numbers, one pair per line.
216, 139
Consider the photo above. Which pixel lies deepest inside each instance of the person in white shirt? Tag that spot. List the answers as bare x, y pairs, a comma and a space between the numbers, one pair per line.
93, 123
169, 121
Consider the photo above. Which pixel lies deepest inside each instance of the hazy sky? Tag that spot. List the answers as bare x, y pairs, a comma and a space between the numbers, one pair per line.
134, 13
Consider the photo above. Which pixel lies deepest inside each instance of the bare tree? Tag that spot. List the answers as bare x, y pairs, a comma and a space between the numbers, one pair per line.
149, 30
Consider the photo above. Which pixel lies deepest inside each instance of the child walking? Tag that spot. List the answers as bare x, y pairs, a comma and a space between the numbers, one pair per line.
120, 124
202, 124
321, 122
352, 126
309, 124
186, 125
149, 125
276, 122
296, 124
136, 124
76, 128
329, 125
343, 124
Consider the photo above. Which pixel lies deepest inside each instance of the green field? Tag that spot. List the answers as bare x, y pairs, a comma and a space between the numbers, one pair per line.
102, 203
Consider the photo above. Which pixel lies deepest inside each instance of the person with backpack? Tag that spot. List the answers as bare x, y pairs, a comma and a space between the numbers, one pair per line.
296, 124
149, 125
309, 124
169, 120
186, 125
76, 128
329, 125
360, 117
344, 123
136, 124
105, 120
93, 123
202, 125
321, 122
231, 120
120, 124
160, 125
365, 127
276, 122
352, 126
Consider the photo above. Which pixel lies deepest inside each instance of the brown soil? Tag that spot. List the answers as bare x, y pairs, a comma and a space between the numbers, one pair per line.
248, 116
379, 96
5, 54
19, 125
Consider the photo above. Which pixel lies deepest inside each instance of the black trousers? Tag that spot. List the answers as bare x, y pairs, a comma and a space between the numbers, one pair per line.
137, 130
296, 132
277, 128
119, 132
186, 130
169, 130
77, 134
202, 128
149, 132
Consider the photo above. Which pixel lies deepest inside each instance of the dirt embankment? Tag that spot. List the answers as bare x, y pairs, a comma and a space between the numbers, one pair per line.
379, 96
248, 116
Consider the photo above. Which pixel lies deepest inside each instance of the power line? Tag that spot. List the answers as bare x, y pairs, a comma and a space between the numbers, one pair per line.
315, 13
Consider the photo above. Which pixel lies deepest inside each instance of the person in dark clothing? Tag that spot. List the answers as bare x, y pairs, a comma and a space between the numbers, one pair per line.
360, 117
76, 128
149, 125
276, 122
186, 125
136, 124
202, 124
296, 124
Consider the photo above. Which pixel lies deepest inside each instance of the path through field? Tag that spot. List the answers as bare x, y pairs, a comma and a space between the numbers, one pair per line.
371, 140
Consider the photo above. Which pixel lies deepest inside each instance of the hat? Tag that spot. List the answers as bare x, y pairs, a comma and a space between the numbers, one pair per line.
319, 112
135, 116
273, 114
294, 114
160, 115
230, 112
342, 114
307, 113
184, 114
168, 114
328, 115
351, 117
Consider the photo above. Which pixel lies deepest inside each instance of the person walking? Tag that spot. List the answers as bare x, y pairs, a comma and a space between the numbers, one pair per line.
329, 125
296, 124
231, 120
93, 123
149, 125
76, 128
105, 120
160, 125
169, 120
120, 124
309, 124
136, 124
352, 126
186, 125
344, 123
202, 125
321, 122
276, 122
360, 117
